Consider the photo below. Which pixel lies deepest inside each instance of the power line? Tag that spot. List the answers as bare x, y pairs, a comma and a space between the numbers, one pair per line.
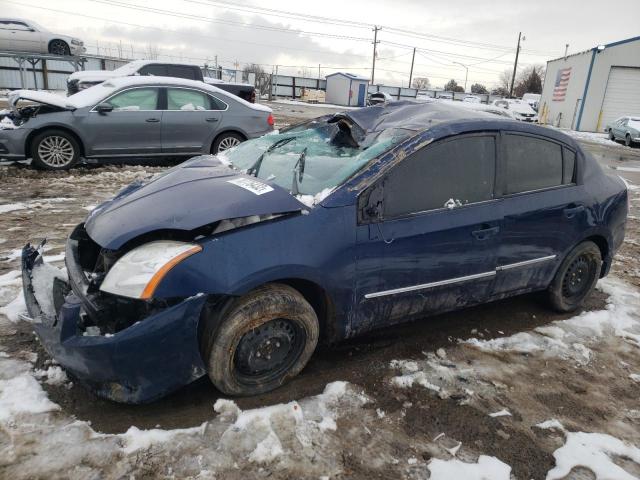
199, 18
227, 40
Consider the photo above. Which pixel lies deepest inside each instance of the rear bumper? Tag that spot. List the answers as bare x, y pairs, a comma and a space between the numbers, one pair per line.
138, 364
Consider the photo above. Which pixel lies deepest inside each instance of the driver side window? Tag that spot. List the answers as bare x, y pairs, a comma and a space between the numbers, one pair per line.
137, 99
448, 174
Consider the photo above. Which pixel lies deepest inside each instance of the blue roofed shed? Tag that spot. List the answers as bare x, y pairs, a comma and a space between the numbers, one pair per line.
347, 89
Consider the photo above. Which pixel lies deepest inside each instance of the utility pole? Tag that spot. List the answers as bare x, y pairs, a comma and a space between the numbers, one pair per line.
413, 58
319, 72
276, 91
515, 67
375, 44
466, 75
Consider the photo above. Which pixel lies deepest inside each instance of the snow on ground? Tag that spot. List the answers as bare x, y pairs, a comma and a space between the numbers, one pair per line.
487, 468
594, 451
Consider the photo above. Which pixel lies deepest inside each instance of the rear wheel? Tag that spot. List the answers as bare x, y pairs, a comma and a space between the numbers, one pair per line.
226, 141
59, 47
265, 338
576, 278
54, 150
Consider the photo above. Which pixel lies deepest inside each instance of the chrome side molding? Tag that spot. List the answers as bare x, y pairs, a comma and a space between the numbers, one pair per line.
467, 278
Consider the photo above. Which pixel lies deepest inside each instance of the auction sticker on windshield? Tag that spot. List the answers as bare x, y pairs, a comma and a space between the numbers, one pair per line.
252, 185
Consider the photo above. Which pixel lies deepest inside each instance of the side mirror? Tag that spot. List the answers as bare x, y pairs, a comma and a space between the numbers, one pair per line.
370, 205
104, 108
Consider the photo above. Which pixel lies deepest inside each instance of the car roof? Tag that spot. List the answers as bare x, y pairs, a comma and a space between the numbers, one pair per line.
142, 63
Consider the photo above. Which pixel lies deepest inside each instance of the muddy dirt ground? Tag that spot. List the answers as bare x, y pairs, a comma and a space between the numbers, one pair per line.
593, 396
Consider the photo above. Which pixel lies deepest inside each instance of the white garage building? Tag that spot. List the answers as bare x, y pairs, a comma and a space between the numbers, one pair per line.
587, 90
347, 89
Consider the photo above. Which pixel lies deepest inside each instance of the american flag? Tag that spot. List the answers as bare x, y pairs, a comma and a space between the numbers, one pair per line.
560, 87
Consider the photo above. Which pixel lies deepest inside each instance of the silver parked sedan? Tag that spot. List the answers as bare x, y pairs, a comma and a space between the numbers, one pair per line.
128, 117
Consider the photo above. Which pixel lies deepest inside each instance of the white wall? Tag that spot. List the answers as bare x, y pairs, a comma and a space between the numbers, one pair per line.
337, 90
623, 55
564, 114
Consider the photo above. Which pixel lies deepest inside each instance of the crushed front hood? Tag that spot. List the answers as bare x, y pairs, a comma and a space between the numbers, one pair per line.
39, 97
197, 193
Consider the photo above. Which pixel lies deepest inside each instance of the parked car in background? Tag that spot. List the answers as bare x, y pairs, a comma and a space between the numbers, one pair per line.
471, 99
243, 90
19, 35
483, 107
378, 98
519, 109
444, 95
626, 129
88, 78
533, 99
237, 265
128, 117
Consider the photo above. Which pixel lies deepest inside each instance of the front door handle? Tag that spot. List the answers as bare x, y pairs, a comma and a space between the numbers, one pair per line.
212, 119
572, 210
152, 120
485, 232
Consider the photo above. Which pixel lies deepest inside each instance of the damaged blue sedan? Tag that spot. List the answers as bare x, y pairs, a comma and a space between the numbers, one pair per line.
235, 266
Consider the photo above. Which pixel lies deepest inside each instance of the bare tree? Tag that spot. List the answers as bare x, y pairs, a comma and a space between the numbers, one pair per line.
421, 83
153, 51
262, 78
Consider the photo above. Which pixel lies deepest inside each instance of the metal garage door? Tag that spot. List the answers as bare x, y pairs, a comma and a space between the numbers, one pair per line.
622, 97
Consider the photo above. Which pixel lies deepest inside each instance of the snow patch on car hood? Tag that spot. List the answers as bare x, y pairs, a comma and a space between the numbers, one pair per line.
39, 97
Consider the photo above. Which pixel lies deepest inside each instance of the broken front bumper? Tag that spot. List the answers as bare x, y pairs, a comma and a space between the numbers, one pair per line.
138, 364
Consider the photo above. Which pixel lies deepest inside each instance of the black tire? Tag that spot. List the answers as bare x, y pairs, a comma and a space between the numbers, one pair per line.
271, 321
225, 141
54, 150
576, 278
627, 140
612, 137
59, 47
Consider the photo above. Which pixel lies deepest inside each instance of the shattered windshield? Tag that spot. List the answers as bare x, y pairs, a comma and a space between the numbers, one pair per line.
310, 159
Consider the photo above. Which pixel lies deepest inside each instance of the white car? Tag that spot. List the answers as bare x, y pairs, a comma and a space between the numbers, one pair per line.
471, 99
18, 35
519, 109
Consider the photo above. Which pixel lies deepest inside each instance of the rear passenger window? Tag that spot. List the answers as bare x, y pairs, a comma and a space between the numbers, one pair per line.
444, 175
569, 167
154, 70
531, 163
182, 72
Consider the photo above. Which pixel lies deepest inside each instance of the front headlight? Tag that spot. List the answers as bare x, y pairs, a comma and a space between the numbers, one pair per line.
76, 41
138, 272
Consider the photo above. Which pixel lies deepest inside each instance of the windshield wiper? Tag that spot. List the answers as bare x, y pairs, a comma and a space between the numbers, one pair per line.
298, 172
255, 168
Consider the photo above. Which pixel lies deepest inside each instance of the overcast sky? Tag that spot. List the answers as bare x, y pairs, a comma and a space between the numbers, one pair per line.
481, 35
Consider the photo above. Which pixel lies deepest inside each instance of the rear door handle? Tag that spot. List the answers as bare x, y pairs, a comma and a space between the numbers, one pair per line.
152, 120
212, 119
485, 232
572, 210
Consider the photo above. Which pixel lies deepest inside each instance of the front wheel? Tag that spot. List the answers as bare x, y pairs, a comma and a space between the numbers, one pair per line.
54, 150
627, 140
612, 137
265, 338
576, 278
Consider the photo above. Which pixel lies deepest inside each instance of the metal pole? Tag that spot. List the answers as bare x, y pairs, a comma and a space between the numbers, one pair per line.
515, 66
319, 74
566, 50
375, 44
413, 58
275, 94
466, 75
